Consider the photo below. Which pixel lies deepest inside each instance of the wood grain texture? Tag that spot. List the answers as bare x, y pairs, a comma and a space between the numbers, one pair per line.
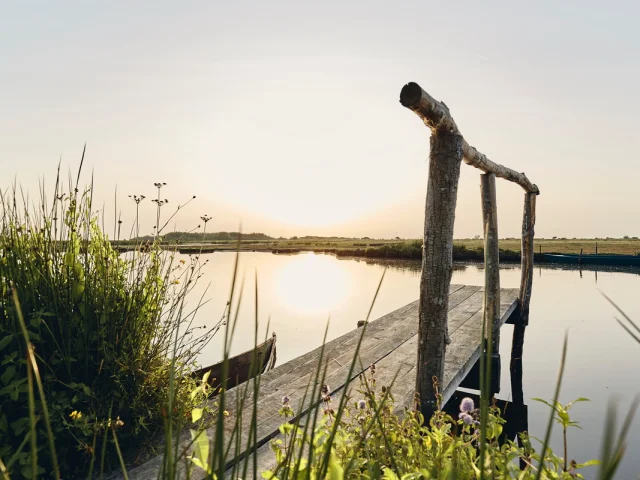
491, 259
445, 158
528, 233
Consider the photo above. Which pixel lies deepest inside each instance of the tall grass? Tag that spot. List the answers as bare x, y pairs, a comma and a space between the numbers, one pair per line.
103, 328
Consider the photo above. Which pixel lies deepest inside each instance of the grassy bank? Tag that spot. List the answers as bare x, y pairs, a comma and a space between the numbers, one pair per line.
464, 249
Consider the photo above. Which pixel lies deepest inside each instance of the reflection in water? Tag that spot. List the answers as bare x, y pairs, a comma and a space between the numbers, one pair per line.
311, 283
602, 359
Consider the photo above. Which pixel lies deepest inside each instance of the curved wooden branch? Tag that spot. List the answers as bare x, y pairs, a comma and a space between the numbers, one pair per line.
436, 116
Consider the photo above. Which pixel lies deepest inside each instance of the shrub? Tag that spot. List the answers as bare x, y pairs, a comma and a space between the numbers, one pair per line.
103, 327
369, 440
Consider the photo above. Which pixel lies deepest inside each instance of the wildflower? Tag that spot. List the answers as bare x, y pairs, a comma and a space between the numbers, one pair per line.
119, 423
325, 390
285, 400
373, 368
362, 404
225, 413
466, 418
75, 415
467, 405
182, 261
176, 281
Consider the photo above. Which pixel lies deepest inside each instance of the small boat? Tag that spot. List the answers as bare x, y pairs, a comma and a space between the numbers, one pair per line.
240, 368
590, 259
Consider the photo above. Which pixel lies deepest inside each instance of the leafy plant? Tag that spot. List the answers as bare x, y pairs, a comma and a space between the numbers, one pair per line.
374, 442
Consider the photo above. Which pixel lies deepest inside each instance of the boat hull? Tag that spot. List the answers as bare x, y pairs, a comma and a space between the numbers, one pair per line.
241, 367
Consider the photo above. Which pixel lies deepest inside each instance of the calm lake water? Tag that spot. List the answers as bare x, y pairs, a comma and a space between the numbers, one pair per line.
299, 293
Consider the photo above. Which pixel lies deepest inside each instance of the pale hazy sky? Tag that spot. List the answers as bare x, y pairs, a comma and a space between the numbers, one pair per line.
284, 114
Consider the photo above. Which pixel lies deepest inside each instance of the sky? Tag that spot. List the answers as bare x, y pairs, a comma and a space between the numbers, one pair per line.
283, 116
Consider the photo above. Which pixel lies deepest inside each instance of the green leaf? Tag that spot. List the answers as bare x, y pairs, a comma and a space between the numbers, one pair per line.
543, 401
200, 446
8, 374
581, 399
196, 414
590, 463
286, 428
6, 340
335, 470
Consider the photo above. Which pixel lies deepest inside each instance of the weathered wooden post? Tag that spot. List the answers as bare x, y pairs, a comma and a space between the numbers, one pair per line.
491, 259
448, 148
491, 274
526, 279
445, 159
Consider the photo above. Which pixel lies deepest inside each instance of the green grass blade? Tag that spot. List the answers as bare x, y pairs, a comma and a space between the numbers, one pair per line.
556, 395
33, 372
120, 458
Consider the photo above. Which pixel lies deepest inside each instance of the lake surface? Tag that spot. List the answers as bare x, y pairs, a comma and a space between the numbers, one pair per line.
298, 294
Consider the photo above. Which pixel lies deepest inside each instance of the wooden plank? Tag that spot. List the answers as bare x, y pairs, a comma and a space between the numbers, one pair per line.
462, 354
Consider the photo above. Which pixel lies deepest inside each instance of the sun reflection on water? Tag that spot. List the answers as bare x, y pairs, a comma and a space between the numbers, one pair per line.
311, 283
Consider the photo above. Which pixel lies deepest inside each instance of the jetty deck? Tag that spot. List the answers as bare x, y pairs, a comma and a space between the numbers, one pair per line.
390, 342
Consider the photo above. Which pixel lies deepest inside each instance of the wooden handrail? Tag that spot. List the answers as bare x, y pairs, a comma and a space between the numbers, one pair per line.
448, 150
436, 116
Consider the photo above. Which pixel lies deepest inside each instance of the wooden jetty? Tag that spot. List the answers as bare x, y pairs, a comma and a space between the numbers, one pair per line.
438, 336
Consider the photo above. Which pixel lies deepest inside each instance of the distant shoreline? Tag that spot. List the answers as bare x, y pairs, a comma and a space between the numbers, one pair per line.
466, 249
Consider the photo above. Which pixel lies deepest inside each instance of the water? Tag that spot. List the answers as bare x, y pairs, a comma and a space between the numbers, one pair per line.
299, 293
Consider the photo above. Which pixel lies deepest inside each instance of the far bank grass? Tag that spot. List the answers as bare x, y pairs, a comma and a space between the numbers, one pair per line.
464, 249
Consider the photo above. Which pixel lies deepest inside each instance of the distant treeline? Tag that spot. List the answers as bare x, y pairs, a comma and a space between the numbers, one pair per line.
187, 237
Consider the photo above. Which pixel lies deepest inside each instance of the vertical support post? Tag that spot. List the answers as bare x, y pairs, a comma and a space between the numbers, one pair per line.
491, 275
437, 265
491, 259
526, 279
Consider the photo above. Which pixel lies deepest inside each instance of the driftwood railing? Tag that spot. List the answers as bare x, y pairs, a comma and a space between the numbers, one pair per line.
448, 150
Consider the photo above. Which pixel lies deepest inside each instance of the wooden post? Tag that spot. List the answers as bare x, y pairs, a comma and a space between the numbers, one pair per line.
491, 260
580, 257
596, 248
445, 158
437, 265
448, 149
526, 279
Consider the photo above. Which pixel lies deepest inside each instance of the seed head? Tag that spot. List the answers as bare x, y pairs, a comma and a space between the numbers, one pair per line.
362, 404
